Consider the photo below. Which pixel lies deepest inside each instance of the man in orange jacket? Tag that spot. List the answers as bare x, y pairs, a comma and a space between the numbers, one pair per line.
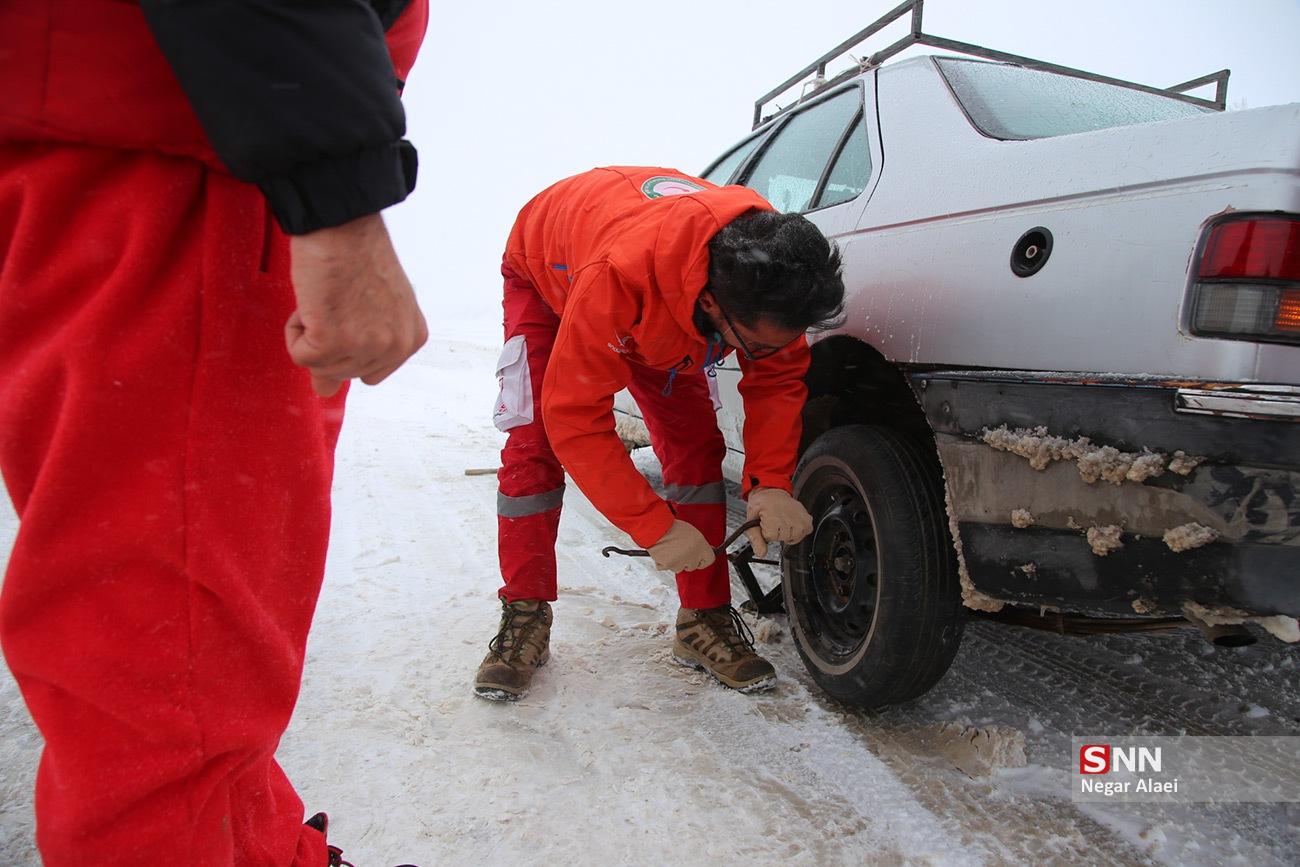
645, 278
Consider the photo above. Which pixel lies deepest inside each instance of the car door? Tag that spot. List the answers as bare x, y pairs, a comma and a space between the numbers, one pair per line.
820, 161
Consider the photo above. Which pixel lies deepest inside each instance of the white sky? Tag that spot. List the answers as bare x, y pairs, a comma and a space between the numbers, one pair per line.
510, 96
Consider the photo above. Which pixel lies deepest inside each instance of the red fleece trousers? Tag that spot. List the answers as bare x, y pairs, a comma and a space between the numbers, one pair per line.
171, 470
683, 433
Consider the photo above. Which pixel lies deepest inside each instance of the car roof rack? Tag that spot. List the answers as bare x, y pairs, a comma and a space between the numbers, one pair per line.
918, 37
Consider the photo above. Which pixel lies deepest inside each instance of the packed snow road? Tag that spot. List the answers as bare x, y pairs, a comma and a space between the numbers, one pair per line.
620, 757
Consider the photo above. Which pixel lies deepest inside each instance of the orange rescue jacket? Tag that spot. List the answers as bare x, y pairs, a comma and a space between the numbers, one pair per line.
621, 255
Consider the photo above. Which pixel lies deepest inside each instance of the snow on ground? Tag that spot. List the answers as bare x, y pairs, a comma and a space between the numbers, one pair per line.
619, 756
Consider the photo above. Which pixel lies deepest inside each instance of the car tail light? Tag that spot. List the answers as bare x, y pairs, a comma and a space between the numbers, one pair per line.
1248, 279
1288, 312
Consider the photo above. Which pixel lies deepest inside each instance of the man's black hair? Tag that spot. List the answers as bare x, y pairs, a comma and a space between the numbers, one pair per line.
778, 267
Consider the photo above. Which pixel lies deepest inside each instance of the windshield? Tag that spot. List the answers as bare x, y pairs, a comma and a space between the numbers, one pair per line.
1012, 102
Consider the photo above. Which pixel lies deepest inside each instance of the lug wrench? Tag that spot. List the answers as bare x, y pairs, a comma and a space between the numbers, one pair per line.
743, 559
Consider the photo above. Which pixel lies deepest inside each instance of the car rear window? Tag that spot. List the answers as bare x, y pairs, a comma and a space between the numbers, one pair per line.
1012, 102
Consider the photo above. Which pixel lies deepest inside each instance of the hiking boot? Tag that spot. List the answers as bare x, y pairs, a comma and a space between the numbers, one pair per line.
717, 640
521, 646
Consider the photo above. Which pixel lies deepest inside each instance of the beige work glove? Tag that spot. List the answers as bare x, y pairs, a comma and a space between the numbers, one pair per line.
784, 519
682, 549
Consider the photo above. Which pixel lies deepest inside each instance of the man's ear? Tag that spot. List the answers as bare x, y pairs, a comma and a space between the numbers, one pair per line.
708, 303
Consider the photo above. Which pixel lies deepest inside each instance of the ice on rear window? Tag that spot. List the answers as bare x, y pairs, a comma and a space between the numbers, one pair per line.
1012, 102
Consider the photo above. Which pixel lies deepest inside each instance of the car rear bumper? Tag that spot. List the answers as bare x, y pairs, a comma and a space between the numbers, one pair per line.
1106, 519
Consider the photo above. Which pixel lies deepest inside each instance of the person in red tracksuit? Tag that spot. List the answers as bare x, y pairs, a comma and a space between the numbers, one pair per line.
645, 278
187, 190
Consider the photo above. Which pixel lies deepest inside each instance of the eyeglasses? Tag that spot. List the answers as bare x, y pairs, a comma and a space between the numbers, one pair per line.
750, 354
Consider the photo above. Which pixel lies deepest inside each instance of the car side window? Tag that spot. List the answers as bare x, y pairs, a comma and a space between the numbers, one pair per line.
722, 172
788, 171
851, 171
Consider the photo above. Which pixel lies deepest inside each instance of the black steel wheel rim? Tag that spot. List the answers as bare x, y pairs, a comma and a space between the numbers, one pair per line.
835, 575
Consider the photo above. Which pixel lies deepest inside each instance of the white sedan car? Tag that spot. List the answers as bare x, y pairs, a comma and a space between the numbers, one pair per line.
1068, 388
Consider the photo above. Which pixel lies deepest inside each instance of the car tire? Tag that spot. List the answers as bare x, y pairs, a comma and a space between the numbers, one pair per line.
873, 593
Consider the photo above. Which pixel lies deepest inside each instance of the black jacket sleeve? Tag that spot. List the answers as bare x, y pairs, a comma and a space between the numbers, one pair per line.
297, 97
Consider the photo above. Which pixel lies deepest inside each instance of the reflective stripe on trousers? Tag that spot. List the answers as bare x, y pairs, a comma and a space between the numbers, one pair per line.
695, 495
531, 504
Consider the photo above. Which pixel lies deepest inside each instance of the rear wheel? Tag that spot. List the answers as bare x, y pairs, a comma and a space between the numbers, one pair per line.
873, 593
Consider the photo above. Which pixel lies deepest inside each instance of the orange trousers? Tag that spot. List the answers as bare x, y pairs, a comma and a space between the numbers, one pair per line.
171, 469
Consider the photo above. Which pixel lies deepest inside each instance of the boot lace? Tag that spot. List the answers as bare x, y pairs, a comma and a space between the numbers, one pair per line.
516, 628
731, 628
